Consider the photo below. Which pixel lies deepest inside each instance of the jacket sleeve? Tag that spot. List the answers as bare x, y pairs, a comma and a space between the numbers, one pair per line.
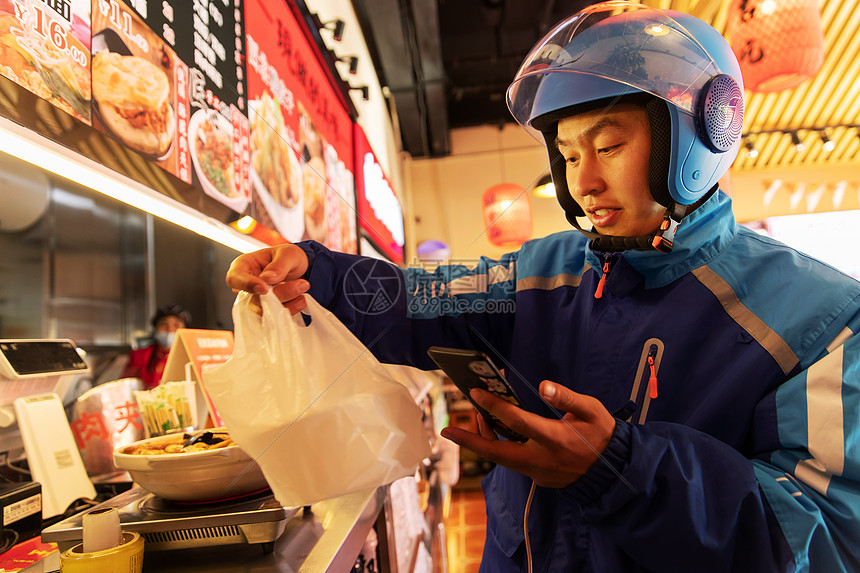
399, 313
677, 499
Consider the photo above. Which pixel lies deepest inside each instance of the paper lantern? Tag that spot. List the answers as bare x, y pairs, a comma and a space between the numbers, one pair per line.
507, 214
779, 43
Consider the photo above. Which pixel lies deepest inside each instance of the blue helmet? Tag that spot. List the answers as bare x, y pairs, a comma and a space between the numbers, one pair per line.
681, 68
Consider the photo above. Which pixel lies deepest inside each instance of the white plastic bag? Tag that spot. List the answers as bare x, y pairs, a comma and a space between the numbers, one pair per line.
312, 405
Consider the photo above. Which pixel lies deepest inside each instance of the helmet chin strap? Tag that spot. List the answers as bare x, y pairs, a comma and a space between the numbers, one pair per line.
662, 239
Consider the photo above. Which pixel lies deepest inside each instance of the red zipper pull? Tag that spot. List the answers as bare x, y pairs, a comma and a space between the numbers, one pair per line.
652, 382
602, 282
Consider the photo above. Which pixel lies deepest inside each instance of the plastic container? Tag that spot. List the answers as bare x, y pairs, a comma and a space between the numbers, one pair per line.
124, 558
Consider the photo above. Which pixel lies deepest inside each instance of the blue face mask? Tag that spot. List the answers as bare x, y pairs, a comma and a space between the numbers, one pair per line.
164, 338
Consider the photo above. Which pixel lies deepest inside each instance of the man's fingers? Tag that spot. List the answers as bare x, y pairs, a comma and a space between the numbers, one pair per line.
296, 305
512, 416
493, 449
243, 281
484, 428
255, 272
288, 263
567, 400
291, 289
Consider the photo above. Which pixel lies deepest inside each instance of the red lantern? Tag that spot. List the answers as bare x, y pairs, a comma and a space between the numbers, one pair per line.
507, 214
779, 43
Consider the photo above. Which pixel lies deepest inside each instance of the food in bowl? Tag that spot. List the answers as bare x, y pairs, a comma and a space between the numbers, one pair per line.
313, 172
175, 445
209, 472
271, 156
213, 146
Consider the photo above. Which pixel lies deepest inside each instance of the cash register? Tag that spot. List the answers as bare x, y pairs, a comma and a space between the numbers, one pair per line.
34, 376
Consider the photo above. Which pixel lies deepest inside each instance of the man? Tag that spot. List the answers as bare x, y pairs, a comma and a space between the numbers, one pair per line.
148, 362
703, 410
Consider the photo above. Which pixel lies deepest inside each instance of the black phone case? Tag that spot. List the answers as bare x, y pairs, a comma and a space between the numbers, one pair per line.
469, 369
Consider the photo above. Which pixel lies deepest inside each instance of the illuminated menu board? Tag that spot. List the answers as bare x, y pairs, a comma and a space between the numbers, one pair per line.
176, 98
229, 96
301, 135
140, 88
45, 48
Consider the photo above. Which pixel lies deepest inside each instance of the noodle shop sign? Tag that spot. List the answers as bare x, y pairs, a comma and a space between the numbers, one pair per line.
379, 211
302, 182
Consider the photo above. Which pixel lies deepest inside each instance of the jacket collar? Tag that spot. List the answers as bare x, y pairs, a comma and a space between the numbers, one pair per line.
700, 237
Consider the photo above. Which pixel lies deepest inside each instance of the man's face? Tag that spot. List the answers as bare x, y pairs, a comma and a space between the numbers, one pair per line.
606, 155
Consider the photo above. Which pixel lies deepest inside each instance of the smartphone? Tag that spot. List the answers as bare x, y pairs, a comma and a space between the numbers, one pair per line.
469, 369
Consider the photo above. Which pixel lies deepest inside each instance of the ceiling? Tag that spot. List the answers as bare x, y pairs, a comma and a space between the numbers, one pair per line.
447, 64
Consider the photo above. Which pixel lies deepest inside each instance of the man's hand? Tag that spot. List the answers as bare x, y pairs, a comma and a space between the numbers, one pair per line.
278, 267
558, 452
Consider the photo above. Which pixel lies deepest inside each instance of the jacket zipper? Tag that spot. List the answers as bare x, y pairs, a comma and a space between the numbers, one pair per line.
645, 385
608, 262
652, 380
649, 374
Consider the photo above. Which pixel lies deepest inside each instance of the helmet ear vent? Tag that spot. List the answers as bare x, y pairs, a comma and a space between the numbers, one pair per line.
721, 113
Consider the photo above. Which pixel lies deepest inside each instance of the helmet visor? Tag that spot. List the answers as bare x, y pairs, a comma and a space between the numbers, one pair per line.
622, 48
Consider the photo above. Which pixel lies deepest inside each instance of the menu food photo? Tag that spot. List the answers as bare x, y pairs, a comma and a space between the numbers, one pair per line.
301, 134
231, 97
136, 91
46, 49
218, 129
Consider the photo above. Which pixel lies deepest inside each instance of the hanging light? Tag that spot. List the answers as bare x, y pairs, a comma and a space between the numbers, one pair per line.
507, 214
826, 143
751, 151
796, 141
545, 188
351, 61
779, 43
336, 27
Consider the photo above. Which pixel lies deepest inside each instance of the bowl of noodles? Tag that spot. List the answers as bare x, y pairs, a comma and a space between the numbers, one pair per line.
211, 468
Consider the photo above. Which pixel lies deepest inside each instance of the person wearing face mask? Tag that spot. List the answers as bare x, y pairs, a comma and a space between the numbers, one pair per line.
147, 363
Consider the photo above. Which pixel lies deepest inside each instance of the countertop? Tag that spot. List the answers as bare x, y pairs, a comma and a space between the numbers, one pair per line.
326, 539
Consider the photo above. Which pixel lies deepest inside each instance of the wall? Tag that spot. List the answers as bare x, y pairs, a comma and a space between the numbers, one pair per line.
761, 193
446, 192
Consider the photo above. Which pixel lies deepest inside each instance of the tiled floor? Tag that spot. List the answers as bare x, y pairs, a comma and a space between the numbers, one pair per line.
465, 530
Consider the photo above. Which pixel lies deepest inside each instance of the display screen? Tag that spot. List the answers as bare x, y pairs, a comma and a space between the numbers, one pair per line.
41, 357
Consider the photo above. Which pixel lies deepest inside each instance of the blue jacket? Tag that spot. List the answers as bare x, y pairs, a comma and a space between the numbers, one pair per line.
747, 459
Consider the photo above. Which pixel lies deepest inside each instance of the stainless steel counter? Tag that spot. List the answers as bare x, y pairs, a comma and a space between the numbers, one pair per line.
326, 539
